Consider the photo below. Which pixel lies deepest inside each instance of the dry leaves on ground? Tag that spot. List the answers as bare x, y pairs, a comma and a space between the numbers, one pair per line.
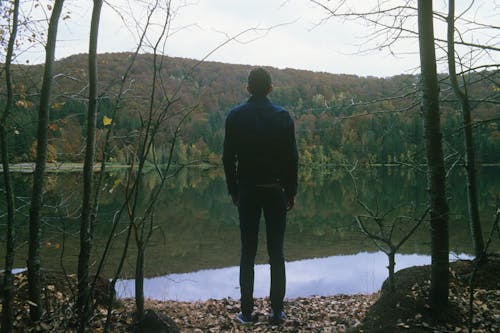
408, 308
313, 314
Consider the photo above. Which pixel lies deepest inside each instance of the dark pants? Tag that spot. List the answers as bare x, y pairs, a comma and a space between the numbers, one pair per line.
252, 202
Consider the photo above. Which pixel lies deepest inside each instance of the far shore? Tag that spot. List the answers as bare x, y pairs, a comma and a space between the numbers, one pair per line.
29, 167
54, 167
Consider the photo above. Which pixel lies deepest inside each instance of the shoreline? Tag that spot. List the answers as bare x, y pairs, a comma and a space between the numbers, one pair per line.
29, 167
385, 311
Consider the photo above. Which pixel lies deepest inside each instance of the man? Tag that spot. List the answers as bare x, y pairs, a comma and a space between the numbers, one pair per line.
260, 162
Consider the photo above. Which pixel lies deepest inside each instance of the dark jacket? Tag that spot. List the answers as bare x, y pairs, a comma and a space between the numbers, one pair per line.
260, 146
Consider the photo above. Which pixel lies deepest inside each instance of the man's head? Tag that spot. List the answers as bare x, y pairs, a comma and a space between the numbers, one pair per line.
259, 82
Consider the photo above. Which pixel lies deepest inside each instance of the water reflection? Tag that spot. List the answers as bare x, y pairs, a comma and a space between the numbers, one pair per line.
196, 226
346, 274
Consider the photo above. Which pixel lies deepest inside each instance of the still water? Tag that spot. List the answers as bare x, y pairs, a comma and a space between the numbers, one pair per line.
361, 273
196, 235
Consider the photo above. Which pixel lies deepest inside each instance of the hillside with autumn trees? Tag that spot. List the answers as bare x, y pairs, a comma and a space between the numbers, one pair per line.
338, 117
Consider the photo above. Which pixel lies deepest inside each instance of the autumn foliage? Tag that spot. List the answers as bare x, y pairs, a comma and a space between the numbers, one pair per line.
338, 117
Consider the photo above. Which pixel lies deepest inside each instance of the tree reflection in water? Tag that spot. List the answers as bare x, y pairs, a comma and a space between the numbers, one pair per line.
198, 227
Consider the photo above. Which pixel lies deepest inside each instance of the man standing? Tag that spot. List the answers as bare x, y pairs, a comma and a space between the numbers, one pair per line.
260, 162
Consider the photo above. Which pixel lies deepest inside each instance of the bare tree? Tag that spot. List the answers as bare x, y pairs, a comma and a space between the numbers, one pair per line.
104, 159
391, 25
34, 259
381, 233
435, 162
392, 22
470, 159
159, 113
382, 237
8, 285
160, 110
88, 175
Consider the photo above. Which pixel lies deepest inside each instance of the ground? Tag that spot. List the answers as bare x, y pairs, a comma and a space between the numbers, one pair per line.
405, 310
312, 314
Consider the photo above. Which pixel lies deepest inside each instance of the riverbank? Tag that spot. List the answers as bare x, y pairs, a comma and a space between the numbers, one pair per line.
52, 167
60, 167
405, 310
29, 167
306, 314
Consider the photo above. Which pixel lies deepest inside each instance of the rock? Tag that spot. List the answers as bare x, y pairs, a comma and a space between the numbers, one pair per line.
155, 322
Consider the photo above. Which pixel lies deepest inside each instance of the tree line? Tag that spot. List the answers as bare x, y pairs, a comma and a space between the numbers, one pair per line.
338, 117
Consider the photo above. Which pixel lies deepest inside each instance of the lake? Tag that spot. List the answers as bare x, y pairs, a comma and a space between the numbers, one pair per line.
194, 250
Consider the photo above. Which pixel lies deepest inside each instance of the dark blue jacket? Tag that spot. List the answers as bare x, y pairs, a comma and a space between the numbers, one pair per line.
260, 146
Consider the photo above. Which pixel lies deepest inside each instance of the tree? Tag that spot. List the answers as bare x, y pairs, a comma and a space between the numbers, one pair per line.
8, 285
153, 122
436, 174
392, 24
88, 213
104, 160
470, 159
382, 233
34, 259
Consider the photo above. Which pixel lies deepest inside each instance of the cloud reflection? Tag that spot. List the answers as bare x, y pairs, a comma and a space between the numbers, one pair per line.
348, 274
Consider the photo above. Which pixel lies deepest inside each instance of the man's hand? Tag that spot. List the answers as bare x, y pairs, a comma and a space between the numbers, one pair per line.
290, 203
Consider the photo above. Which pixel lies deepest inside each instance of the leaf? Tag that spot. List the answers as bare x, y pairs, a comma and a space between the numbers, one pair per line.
53, 127
22, 104
107, 121
57, 106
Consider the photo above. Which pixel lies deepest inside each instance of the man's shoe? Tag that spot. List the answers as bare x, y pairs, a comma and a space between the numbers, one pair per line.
245, 320
277, 318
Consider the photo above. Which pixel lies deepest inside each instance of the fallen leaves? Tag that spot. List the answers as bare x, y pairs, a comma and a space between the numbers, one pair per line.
412, 311
58, 299
313, 314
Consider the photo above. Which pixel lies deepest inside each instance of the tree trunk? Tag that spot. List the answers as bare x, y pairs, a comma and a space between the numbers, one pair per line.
474, 220
470, 159
88, 213
34, 285
435, 163
8, 284
392, 265
139, 284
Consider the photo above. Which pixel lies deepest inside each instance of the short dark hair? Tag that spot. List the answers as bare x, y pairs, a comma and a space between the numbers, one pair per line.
259, 82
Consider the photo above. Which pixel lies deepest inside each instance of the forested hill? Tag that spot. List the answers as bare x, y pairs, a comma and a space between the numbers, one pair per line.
338, 117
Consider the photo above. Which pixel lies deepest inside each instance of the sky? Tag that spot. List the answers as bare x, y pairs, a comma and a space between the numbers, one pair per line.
279, 33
